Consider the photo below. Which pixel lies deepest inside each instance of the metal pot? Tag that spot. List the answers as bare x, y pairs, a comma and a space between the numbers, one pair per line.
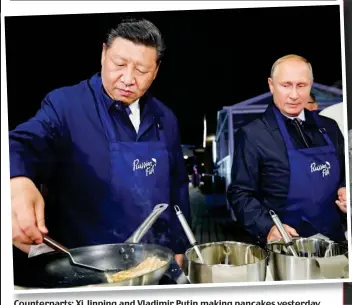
317, 259
54, 270
226, 262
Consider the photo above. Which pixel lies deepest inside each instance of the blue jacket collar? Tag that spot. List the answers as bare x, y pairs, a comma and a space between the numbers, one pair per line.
269, 118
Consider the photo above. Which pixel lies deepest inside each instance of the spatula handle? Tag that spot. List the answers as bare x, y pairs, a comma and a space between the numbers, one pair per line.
185, 226
55, 245
286, 237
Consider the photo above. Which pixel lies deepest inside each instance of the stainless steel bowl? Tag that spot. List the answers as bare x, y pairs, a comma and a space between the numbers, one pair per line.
227, 262
318, 259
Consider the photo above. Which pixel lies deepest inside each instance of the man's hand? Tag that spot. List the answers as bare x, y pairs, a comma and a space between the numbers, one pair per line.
179, 259
274, 233
342, 201
28, 225
23, 247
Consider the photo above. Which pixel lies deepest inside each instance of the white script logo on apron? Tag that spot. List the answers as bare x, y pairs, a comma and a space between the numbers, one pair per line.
323, 168
148, 166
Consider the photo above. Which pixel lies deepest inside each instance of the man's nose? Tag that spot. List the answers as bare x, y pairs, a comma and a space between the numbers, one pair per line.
294, 93
127, 77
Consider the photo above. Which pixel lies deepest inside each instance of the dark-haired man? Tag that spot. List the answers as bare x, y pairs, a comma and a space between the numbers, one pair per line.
107, 151
312, 104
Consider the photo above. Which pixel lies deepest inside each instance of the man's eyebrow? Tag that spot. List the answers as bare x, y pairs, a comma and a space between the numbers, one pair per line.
291, 82
146, 66
138, 63
118, 57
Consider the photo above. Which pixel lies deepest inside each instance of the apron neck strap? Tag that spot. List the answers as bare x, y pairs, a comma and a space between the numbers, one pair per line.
286, 136
322, 129
280, 121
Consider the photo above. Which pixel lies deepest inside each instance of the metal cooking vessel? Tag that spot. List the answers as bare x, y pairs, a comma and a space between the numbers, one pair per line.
54, 270
226, 262
318, 259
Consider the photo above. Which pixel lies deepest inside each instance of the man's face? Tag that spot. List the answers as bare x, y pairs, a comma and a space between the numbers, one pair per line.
290, 86
128, 69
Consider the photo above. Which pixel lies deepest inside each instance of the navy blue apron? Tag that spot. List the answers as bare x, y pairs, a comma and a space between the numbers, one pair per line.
314, 181
139, 180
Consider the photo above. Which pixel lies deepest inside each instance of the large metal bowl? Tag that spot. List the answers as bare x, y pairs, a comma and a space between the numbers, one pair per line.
227, 262
318, 259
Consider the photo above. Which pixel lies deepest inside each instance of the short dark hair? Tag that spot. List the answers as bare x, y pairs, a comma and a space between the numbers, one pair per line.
139, 31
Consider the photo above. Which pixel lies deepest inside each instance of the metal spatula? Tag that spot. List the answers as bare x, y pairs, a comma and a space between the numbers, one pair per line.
134, 238
188, 232
57, 246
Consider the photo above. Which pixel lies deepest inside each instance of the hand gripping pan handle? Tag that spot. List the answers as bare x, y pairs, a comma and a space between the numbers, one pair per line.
287, 238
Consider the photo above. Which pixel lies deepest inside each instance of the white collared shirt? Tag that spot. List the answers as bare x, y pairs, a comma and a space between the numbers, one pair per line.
135, 114
301, 116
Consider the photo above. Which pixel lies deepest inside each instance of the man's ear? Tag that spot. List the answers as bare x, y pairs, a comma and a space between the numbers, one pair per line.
270, 83
103, 53
156, 70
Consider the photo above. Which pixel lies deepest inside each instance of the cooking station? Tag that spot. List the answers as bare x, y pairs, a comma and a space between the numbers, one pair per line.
286, 259
217, 262
174, 275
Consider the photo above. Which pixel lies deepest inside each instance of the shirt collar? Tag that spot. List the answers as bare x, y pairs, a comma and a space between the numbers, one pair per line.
134, 106
107, 99
110, 102
301, 116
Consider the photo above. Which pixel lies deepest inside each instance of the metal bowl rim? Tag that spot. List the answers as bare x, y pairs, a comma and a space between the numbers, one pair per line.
227, 242
278, 241
307, 238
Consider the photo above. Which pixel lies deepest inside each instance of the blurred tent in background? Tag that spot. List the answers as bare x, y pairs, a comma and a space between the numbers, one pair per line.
335, 112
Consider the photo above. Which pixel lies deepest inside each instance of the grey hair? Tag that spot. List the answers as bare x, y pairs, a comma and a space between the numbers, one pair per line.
288, 57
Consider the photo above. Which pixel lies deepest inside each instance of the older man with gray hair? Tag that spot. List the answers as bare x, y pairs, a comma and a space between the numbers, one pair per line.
290, 160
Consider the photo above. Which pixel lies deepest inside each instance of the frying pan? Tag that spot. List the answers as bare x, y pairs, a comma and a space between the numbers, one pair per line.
54, 269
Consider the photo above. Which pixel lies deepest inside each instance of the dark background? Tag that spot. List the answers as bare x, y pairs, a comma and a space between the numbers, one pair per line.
214, 58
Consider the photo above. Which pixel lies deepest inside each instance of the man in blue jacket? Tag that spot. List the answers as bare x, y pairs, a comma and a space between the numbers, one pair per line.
291, 161
107, 151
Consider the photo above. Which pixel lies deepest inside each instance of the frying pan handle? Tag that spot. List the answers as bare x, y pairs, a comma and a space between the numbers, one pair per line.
145, 226
55, 245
